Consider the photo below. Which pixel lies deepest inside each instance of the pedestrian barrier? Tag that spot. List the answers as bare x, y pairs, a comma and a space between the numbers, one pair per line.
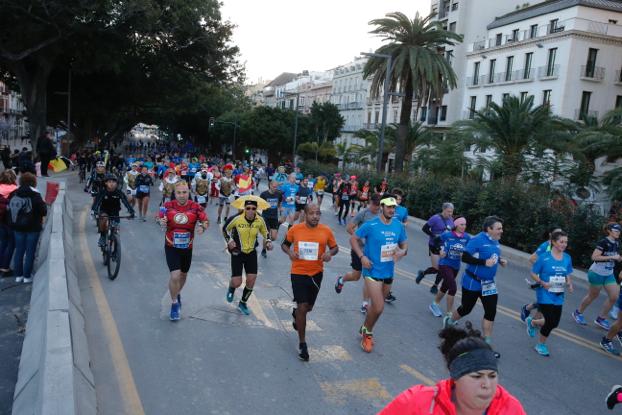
54, 375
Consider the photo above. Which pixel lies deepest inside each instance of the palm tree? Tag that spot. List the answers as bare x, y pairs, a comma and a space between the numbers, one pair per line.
372, 140
515, 129
419, 71
417, 134
441, 156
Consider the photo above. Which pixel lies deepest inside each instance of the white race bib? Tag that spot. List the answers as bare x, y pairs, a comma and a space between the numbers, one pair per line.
143, 188
290, 200
387, 251
308, 251
181, 240
345, 197
302, 200
558, 284
488, 288
201, 199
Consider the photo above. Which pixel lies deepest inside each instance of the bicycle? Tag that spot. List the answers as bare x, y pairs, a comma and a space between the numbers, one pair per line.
111, 251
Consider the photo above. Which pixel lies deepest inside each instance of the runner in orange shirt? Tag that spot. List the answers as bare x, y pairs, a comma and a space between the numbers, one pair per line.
308, 246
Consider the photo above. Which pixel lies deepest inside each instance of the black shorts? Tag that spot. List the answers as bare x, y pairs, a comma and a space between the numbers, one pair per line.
140, 195
178, 259
306, 288
385, 281
299, 207
272, 223
243, 262
432, 250
355, 261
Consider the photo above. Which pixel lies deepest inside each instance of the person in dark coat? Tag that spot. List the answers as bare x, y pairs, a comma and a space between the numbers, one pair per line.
46, 151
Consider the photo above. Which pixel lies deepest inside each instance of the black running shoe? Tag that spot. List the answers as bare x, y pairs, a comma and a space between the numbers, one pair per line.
434, 289
390, 298
614, 397
304, 353
420, 276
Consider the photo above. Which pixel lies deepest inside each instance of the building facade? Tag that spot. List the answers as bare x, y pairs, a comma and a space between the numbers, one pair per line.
13, 124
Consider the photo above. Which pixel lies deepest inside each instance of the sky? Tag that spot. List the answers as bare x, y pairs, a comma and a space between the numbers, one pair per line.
276, 36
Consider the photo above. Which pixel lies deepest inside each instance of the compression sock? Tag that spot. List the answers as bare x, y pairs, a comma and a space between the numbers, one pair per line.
246, 294
438, 279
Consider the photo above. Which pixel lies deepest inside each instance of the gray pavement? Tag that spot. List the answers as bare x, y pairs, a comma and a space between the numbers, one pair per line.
217, 361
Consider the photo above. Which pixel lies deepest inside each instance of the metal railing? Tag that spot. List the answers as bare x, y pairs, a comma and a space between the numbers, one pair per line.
548, 72
593, 73
580, 114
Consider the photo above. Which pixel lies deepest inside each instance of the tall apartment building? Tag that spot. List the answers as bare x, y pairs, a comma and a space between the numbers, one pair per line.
13, 124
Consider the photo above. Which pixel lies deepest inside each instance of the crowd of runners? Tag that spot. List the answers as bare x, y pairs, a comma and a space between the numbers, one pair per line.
287, 210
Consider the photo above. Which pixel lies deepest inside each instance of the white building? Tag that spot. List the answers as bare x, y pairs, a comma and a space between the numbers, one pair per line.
566, 53
306, 88
13, 125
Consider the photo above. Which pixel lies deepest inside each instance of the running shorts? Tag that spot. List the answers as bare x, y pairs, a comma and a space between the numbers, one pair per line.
178, 259
600, 280
272, 223
243, 262
306, 288
386, 281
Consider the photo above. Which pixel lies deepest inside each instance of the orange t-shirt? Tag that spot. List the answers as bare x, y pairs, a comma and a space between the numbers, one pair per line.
310, 244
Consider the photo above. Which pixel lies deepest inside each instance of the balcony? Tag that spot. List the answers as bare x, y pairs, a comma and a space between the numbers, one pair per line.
592, 73
474, 81
580, 114
548, 72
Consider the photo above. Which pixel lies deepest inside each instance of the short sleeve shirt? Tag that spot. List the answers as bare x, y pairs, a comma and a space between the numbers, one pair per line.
401, 213
608, 248
381, 242
438, 224
310, 244
289, 194
273, 199
553, 271
482, 247
453, 245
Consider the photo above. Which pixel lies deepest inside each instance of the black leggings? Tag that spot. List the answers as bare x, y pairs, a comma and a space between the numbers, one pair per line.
469, 298
344, 204
552, 314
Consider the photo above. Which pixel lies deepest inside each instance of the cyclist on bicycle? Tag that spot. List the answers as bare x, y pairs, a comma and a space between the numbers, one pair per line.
108, 204
95, 183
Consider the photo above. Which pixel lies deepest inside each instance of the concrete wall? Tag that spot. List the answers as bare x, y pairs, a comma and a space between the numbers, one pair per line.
54, 371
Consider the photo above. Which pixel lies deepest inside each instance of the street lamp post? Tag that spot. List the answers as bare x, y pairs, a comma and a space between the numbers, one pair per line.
385, 103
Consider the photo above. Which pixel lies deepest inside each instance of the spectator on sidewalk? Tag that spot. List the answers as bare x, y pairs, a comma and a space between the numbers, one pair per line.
5, 155
8, 183
25, 214
46, 151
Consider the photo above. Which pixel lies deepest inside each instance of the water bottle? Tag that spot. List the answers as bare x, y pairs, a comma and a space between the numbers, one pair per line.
162, 214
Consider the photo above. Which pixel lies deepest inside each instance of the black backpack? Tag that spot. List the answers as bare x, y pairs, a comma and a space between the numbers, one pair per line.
20, 214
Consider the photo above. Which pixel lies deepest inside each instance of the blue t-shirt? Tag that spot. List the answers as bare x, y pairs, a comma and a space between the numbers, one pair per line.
299, 177
547, 267
543, 248
401, 213
289, 194
453, 246
482, 247
381, 241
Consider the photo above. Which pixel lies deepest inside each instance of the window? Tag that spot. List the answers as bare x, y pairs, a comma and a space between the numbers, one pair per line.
591, 62
550, 63
376, 117
527, 67
505, 96
546, 97
369, 118
515, 35
613, 21
454, 7
472, 106
523, 95
444, 113
449, 56
395, 120
553, 25
475, 73
491, 71
618, 101
424, 113
585, 104
498, 39
452, 27
508, 68
488, 100
533, 31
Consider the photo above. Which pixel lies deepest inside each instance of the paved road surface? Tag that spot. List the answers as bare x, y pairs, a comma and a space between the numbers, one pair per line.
217, 361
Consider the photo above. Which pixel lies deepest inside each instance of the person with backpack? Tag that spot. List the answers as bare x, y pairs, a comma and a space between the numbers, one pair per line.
8, 184
25, 215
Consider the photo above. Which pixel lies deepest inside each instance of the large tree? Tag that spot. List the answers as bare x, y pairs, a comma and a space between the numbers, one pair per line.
420, 70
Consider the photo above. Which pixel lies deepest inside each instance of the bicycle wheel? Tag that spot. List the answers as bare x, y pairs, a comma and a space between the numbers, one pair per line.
114, 257
105, 254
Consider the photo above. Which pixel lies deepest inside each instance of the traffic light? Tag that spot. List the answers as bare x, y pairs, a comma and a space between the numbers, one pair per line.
212, 120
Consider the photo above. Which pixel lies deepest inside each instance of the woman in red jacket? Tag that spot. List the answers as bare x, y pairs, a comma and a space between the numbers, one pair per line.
472, 388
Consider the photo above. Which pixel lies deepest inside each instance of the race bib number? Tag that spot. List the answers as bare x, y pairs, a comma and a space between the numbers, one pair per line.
143, 188
558, 284
302, 200
290, 200
181, 240
345, 197
308, 251
488, 288
387, 251
201, 199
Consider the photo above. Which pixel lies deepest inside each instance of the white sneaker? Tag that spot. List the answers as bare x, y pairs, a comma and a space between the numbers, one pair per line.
19, 279
614, 312
28, 280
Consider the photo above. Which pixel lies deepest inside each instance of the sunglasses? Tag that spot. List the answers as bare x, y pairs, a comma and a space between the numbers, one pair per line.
251, 208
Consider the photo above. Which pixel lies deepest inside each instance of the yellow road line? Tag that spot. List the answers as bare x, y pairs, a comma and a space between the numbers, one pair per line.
415, 373
370, 389
125, 380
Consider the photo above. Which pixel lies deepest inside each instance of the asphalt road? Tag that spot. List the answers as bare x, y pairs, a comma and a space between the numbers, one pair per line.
217, 361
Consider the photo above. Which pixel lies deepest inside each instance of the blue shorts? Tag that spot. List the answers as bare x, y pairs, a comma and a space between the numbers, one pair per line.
600, 280
289, 210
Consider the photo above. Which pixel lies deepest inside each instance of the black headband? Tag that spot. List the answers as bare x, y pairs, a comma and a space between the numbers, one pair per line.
250, 202
473, 361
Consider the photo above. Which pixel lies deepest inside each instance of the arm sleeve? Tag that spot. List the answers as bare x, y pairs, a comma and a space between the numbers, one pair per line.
468, 258
332, 242
289, 239
426, 229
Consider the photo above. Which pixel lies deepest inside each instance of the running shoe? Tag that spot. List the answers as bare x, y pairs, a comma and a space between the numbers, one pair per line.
420, 276
614, 397
603, 323
19, 279
542, 349
607, 344
174, 316
447, 321
364, 307
434, 289
179, 300
303, 352
390, 298
619, 337
264, 253
578, 317
614, 312
435, 310
339, 285
367, 343
218, 221
144, 219
229, 296
524, 313
27, 280
244, 308
531, 329
294, 319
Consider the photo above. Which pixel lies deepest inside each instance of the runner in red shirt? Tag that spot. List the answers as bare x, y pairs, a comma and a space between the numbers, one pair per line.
180, 216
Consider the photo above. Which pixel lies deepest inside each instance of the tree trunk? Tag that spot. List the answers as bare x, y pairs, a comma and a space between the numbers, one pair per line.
402, 132
32, 76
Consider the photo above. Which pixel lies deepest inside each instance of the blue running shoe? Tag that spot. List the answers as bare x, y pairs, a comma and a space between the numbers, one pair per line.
179, 301
542, 349
603, 323
607, 344
531, 330
578, 317
229, 296
447, 321
420, 276
244, 308
174, 316
435, 310
524, 313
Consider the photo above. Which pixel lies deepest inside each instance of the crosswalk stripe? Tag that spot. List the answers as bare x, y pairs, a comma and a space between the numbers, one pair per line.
370, 389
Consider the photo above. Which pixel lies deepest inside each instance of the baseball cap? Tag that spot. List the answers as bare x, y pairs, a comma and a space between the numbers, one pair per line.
614, 227
388, 201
